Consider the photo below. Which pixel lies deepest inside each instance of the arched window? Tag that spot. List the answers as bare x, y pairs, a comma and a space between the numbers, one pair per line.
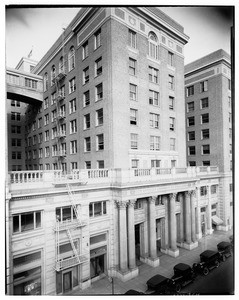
153, 45
71, 58
61, 65
45, 82
53, 74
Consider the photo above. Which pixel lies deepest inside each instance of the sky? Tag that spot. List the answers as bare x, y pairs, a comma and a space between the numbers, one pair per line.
38, 28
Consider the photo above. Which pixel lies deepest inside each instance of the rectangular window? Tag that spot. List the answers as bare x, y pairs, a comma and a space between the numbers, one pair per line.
204, 118
98, 66
47, 135
205, 149
87, 144
133, 116
97, 209
53, 115
205, 134
86, 97
17, 143
15, 116
155, 163
171, 82
172, 144
191, 135
40, 153
204, 103
73, 147
154, 143
31, 83
230, 117
54, 150
154, 120
230, 187
99, 117
97, 36
132, 39
190, 90
72, 85
138, 204
170, 59
190, 106
88, 164
46, 119
203, 86
153, 98
206, 163
46, 103
171, 103
172, 124
47, 151
33, 125
191, 121
85, 50
65, 213
40, 139
100, 164
135, 163
153, 75
15, 129
191, 150
86, 77
132, 92
99, 92
72, 106
100, 142
132, 66
134, 141
229, 84
15, 103
87, 121
73, 126
53, 98
26, 221
192, 163
203, 190
39, 124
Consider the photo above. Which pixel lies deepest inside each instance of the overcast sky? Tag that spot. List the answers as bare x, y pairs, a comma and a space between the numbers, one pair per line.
38, 28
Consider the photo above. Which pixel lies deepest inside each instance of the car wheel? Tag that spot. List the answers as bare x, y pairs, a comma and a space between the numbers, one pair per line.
223, 257
178, 288
205, 271
217, 263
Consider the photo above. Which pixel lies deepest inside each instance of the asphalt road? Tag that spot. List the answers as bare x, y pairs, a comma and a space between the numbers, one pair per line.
220, 281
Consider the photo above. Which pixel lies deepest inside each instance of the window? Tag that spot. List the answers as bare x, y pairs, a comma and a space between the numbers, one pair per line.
153, 45
155, 163
34, 154
46, 103
17, 143
86, 98
135, 163
173, 163
229, 84
171, 82
16, 167
138, 204
54, 150
171, 103
87, 121
61, 93
153, 75
33, 125
65, 213
132, 92
26, 221
204, 103
97, 209
40, 153
53, 115
205, 118
85, 50
88, 164
229, 102
53, 98
133, 116
154, 120
61, 65
72, 106
15, 129
134, 141
206, 163
30, 83
190, 106
86, 77
230, 133
153, 98
191, 121
53, 74
99, 92
71, 59
132, 66
40, 139
205, 134
99, 117
132, 39
100, 142
191, 150
230, 117
190, 90
203, 190
47, 151
154, 143
203, 86
46, 135
73, 127
15, 103
192, 163
15, 116
98, 66
72, 85
39, 123
230, 148
170, 59
100, 164
16, 155
191, 135
47, 166
171, 124
205, 149
97, 39
230, 187
45, 82
172, 144
87, 144
73, 147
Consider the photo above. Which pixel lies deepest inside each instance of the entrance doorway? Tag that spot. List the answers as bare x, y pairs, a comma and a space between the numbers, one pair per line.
97, 266
67, 282
137, 243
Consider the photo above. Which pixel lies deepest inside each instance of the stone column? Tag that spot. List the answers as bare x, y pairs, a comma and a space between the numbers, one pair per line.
180, 196
172, 218
165, 225
198, 216
131, 234
209, 211
123, 255
188, 217
193, 195
152, 228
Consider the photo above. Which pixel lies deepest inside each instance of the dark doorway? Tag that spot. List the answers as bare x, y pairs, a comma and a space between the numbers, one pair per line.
67, 282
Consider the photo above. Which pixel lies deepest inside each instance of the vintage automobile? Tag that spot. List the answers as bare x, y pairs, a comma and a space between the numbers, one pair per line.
133, 292
225, 250
157, 285
209, 260
183, 275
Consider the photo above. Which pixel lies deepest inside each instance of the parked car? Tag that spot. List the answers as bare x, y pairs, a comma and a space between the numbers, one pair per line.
183, 275
225, 250
157, 285
133, 292
209, 260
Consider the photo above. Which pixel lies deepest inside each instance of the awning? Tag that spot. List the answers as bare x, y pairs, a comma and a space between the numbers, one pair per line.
216, 220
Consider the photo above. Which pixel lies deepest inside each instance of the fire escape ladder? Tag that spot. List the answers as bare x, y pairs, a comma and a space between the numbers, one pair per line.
71, 195
73, 245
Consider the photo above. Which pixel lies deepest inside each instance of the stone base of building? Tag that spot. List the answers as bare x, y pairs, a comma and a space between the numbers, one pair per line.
198, 236
173, 253
190, 246
153, 262
127, 275
84, 285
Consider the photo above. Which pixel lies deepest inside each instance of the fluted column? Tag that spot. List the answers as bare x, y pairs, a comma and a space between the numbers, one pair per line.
198, 215
172, 218
209, 210
152, 228
180, 196
123, 255
193, 221
131, 234
187, 217
165, 223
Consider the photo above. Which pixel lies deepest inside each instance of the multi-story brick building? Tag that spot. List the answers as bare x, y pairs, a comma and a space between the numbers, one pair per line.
113, 186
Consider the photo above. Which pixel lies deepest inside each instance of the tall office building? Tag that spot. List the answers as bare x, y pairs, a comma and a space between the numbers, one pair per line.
109, 140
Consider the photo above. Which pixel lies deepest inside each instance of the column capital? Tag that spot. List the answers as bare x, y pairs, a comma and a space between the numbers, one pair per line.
121, 204
131, 202
189, 193
173, 196
152, 199
193, 193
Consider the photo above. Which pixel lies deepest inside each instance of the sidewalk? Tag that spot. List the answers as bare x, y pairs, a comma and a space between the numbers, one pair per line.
105, 287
